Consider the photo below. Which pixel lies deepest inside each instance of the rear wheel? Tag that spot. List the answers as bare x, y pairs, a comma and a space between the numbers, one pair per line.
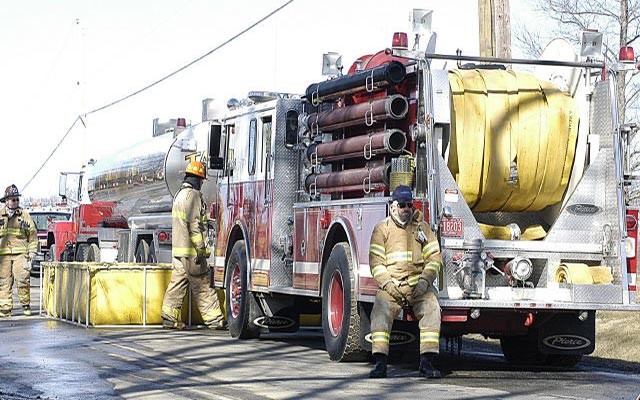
340, 317
523, 349
241, 305
143, 252
93, 253
81, 253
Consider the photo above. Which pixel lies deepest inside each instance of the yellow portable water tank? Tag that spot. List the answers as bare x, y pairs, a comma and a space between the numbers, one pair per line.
513, 140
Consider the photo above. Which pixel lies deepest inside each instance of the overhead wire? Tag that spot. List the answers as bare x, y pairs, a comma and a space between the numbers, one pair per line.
149, 86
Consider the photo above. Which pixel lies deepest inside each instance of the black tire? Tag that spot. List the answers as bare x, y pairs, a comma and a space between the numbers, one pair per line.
241, 305
340, 317
81, 253
564, 360
93, 253
143, 252
523, 350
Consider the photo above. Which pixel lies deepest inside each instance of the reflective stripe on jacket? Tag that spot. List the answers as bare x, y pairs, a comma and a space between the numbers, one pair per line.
189, 223
401, 253
18, 234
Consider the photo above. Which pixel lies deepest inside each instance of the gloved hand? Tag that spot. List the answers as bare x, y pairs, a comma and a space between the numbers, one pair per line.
28, 263
392, 289
420, 289
31, 256
202, 261
207, 252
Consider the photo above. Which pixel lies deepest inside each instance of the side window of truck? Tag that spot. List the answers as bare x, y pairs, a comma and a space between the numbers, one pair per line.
266, 141
253, 137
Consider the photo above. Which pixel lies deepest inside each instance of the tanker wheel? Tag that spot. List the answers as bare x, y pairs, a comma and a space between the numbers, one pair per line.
523, 349
81, 253
340, 317
145, 253
241, 305
93, 253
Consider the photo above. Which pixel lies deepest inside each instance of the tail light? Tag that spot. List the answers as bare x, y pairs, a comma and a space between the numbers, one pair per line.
164, 237
400, 40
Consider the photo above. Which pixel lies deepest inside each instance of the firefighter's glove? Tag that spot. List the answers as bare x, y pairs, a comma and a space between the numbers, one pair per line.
420, 289
392, 289
207, 252
27, 264
31, 256
202, 261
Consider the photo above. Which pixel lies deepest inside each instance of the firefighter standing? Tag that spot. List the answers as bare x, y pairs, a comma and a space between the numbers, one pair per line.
190, 251
18, 246
405, 259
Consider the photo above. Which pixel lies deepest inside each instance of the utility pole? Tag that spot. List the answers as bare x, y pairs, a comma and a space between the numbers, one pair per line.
495, 28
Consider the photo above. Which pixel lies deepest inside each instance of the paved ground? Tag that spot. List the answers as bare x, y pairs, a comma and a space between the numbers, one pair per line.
45, 359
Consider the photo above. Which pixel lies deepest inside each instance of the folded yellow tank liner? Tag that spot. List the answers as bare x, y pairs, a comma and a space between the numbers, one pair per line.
582, 273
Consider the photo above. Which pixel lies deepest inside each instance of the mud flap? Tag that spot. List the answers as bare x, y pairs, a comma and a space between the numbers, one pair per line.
566, 334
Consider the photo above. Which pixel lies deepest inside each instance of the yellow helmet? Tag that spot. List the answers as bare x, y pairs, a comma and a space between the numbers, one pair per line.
196, 168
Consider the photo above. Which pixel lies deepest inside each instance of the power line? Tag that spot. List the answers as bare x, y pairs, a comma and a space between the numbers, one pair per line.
53, 152
149, 86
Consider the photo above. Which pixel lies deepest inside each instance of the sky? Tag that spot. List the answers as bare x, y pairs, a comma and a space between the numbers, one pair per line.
64, 58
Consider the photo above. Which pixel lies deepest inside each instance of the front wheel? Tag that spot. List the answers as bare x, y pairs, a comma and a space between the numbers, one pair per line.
241, 305
340, 317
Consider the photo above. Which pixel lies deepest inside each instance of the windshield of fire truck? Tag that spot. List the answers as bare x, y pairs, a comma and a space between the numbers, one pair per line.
43, 219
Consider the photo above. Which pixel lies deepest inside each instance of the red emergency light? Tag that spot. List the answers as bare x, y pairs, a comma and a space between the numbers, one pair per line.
400, 40
626, 54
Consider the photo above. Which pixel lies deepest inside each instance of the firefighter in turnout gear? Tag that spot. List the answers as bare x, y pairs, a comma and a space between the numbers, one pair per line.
190, 251
18, 246
405, 259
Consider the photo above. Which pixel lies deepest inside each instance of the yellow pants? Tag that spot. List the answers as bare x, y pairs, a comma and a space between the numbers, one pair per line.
12, 268
204, 296
386, 309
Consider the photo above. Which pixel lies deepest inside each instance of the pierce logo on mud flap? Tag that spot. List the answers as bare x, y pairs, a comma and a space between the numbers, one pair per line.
275, 322
583, 209
396, 338
566, 342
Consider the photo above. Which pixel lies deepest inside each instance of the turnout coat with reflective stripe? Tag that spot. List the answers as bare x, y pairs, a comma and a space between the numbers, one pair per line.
18, 234
404, 253
189, 223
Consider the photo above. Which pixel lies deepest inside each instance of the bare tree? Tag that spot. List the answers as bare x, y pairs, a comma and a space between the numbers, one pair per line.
618, 20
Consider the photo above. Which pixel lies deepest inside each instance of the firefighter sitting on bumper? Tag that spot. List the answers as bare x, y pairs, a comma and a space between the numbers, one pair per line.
18, 246
190, 251
405, 259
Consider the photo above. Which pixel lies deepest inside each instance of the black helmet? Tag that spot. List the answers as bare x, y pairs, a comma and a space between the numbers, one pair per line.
10, 191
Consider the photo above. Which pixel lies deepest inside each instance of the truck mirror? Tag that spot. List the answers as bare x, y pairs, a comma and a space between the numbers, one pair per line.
291, 135
215, 136
62, 186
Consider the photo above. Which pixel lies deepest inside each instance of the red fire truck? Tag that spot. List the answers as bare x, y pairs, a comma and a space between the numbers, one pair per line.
523, 179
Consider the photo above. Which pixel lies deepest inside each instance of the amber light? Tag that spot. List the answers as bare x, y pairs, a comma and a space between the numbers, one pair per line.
325, 219
400, 39
626, 54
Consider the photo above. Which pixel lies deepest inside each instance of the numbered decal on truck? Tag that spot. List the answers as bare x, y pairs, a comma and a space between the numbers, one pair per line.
451, 227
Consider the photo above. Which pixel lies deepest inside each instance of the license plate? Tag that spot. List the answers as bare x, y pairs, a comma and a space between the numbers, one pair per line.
452, 227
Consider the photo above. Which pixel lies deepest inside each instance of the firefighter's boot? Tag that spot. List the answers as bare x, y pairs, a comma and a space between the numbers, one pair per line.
219, 325
167, 324
380, 368
26, 310
5, 313
426, 368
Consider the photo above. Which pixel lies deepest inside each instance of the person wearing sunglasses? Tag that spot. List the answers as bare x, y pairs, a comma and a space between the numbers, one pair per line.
405, 259
18, 246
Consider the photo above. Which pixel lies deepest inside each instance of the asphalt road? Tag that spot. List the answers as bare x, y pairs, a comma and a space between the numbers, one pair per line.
46, 359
